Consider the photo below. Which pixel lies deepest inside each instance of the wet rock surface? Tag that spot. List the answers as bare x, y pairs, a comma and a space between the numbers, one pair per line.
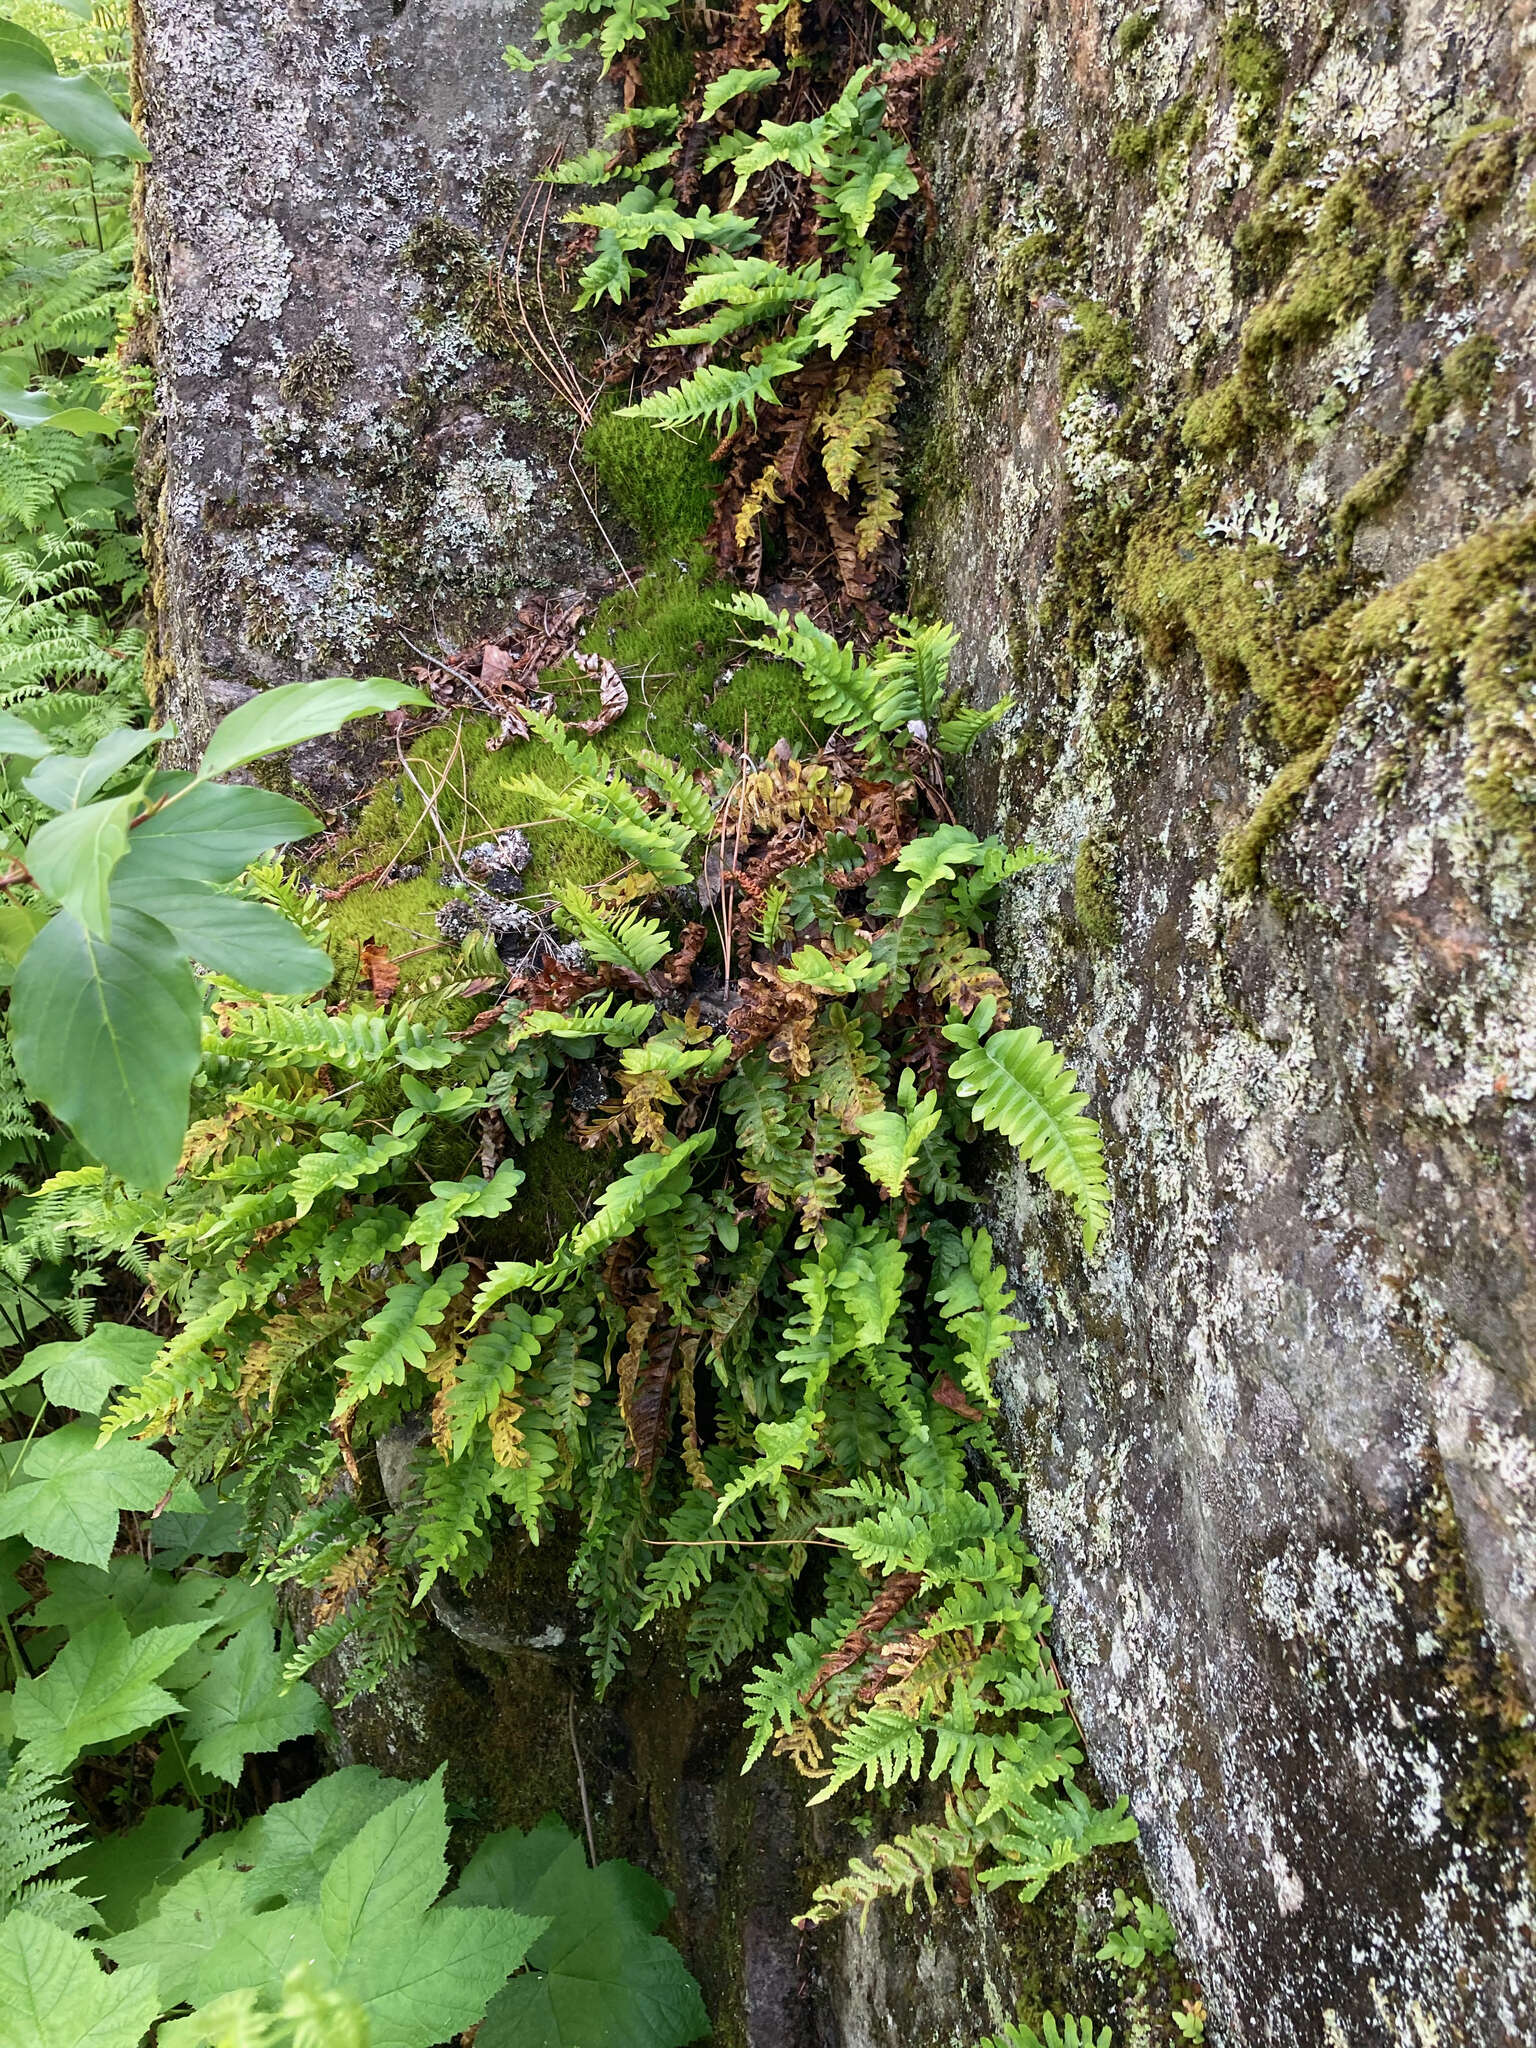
1279, 1433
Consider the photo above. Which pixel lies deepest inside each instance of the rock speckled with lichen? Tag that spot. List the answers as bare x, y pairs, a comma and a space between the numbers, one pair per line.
348, 443
1228, 480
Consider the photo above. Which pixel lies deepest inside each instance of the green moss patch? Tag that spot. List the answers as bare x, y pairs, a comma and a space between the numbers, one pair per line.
661, 480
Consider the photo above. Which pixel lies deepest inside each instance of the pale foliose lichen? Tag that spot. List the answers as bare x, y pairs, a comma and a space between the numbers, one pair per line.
1267, 605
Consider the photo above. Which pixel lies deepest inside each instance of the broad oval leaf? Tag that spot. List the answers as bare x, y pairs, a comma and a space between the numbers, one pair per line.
62, 781
73, 856
75, 108
293, 712
108, 1034
21, 739
250, 942
210, 832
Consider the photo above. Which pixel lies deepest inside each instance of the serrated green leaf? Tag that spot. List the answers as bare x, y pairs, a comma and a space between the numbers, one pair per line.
391, 1871
241, 1707
98, 1689
120, 1871
293, 1844
190, 1918
67, 1492
54, 1993
598, 1977
81, 1374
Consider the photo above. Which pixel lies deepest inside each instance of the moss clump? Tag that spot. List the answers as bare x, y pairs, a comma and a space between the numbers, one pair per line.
1099, 354
1094, 901
1494, 1797
1248, 614
1257, 71
1329, 282
1480, 168
1267, 241
661, 479
1134, 31
457, 280
1469, 369
1131, 147
314, 379
1242, 851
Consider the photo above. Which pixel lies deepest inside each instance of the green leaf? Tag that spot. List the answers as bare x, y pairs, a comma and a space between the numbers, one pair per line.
250, 942
75, 108
294, 712
191, 1917
392, 1870
936, 857
1017, 1082
210, 831
437, 1983
54, 1993
599, 1977
68, 1491
731, 84
81, 1373
241, 1708
26, 409
98, 1689
456, 1201
73, 855
120, 1871
61, 781
21, 739
890, 1140
108, 1033
293, 1844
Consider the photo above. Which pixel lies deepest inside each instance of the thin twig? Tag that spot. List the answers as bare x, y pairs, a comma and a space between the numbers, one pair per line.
581, 1783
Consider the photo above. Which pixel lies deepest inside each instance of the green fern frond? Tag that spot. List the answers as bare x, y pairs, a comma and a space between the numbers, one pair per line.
492, 1365
616, 937
1017, 1083
398, 1337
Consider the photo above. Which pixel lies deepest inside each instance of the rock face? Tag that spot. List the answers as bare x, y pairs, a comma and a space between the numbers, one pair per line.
1227, 480
1225, 470
344, 453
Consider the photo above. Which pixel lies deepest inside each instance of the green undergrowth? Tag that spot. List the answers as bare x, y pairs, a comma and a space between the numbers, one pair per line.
692, 685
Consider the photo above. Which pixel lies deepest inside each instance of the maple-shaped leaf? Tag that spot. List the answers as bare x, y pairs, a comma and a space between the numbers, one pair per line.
600, 1976
81, 1373
99, 1688
189, 1920
241, 1707
67, 1491
422, 1972
54, 1993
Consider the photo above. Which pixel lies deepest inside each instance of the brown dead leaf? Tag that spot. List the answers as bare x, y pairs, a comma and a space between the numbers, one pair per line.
948, 1395
612, 694
883, 1609
381, 973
